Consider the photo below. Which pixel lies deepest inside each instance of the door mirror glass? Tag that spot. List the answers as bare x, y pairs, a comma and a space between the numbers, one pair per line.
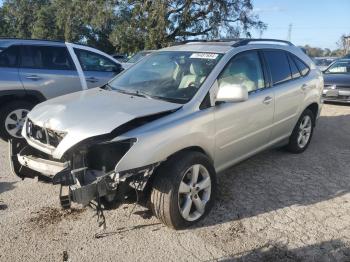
232, 93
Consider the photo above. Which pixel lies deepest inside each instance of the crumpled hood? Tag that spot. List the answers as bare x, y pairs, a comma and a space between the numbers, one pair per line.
90, 113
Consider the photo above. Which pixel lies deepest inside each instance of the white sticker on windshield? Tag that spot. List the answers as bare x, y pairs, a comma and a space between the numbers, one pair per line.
204, 55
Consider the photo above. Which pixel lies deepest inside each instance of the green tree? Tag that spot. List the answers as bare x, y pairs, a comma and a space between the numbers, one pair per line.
127, 25
159, 23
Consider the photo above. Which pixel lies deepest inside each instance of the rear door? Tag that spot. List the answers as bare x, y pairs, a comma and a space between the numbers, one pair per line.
288, 86
9, 74
49, 70
98, 69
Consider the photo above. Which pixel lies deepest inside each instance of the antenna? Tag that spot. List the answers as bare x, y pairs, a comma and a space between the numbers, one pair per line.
289, 37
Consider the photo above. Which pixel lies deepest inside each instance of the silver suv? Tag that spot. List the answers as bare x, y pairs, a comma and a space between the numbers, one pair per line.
166, 126
32, 71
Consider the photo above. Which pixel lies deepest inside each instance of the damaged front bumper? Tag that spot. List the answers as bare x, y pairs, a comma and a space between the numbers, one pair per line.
83, 177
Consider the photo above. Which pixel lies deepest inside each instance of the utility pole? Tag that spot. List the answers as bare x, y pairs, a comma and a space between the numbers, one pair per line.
346, 44
289, 37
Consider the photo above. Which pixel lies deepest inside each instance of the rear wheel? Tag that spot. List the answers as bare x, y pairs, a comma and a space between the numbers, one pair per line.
12, 117
302, 133
183, 190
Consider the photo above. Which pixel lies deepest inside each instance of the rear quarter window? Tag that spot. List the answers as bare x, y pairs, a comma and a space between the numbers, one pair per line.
303, 68
279, 65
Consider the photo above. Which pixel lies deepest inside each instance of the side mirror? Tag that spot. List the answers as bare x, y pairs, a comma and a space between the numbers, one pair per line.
232, 93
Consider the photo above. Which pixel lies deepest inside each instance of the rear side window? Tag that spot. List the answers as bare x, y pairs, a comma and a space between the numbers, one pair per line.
279, 66
303, 68
9, 57
294, 69
94, 62
46, 57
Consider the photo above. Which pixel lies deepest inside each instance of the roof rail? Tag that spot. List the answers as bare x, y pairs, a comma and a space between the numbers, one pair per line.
224, 40
30, 39
246, 41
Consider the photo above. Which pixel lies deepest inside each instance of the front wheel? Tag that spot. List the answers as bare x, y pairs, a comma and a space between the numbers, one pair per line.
183, 190
302, 132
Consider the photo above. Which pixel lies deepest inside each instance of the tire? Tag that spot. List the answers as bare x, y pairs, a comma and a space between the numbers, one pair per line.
9, 121
295, 145
166, 200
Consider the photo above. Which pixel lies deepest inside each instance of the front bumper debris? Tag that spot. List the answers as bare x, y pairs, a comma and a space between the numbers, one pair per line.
79, 183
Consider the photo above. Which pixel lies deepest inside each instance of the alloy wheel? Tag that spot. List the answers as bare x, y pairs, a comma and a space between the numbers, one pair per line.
194, 192
14, 122
305, 129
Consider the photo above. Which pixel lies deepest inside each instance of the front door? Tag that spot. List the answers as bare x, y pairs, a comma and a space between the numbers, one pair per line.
98, 69
243, 128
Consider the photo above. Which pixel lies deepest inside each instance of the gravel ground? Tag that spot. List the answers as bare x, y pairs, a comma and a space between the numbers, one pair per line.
273, 207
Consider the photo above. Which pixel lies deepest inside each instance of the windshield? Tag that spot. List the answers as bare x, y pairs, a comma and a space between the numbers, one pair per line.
138, 56
171, 76
339, 67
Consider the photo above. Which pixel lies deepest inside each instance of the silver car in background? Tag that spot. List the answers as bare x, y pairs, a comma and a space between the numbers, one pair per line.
166, 126
32, 71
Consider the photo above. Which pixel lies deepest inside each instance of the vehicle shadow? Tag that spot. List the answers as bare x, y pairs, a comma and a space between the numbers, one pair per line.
276, 179
6, 186
334, 250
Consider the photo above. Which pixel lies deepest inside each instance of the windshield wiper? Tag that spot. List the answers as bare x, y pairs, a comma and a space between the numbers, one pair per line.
137, 93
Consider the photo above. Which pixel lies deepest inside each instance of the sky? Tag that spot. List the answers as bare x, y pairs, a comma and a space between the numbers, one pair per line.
319, 23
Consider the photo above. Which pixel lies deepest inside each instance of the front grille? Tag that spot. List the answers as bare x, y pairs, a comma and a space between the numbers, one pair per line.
43, 135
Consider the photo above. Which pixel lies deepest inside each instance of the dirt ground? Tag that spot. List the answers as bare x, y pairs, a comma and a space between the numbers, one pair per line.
273, 207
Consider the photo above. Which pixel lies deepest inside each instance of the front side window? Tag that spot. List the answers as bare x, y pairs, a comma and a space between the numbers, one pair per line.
245, 70
340, 67
9, 57
91, 61
173, 76
279, 66
46, 57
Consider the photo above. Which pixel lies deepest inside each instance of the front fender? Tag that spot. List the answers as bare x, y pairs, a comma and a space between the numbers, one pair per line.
157, 144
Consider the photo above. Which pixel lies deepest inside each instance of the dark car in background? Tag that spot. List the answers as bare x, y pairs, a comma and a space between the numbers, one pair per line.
136, 57
337, 82
323, 62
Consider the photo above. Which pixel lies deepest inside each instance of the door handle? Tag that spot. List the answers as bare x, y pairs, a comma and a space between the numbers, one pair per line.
303, 87
92, 79
33, 77
267, 100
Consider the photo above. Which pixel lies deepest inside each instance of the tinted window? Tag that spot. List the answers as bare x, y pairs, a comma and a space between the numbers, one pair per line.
94, 62
293, 68
46, 57
303, 68
244, 69
279, 66
9, 57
